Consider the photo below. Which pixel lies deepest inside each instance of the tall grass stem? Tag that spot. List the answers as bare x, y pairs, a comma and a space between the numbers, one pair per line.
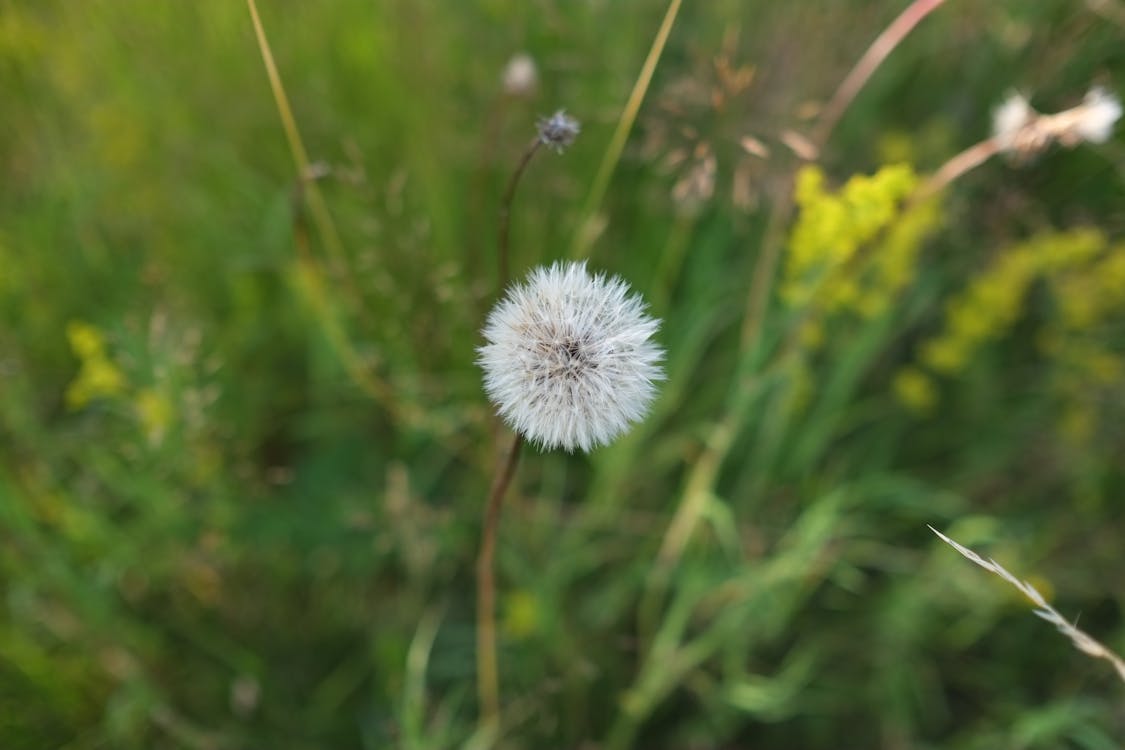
584, 237
309, 273
325, 226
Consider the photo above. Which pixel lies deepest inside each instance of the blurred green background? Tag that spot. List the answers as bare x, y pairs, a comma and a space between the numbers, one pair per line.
244, 454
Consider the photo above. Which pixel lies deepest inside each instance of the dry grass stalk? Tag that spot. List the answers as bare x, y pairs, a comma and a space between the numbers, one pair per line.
1082, 641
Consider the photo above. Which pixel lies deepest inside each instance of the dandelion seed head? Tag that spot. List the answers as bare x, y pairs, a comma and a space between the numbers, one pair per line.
569, 360
520, 77
1023, 132
1012, 116
558, 131
1101, 110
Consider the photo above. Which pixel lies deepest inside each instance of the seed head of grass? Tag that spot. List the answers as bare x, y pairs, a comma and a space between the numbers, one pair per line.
1081, 640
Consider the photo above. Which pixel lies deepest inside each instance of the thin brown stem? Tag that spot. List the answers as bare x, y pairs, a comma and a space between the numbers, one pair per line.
488, 674
502, 243
879, 50
761, 284
969, 159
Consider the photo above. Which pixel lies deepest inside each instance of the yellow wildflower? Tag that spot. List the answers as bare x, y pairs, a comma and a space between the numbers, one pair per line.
98, 377
944, 355
811, 334
895, 261
915, 390
993, 302
86, 341
831, 229
154, 412
521, 614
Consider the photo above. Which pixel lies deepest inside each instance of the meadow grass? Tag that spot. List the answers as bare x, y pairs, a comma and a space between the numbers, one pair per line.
245, 451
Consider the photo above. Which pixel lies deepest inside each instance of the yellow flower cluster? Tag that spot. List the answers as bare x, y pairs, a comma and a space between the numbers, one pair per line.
855, 249
895, 261
100, 378
1087, 284
1086, 299
1089, 371
522, 615
994, 300
915, 390
154, 412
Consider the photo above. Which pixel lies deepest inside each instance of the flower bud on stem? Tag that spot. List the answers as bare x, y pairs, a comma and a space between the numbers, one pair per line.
502, 250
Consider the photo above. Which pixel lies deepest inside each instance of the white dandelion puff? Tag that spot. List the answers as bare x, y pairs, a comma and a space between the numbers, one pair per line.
1012, 116
521, 76
1101, 110
569, 360
1022, 132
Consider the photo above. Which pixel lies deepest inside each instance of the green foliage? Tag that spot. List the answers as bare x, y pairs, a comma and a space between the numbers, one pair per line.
243, 464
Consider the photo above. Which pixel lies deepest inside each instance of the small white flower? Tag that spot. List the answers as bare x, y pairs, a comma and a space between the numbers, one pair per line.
1010, 118
520, 76
1100, 111
569, 361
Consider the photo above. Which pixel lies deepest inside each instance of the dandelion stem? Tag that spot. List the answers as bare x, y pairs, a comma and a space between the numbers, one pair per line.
477, 195
503, 246
488, 675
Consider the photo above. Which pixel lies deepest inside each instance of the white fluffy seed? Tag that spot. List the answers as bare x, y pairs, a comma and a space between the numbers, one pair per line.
569, 361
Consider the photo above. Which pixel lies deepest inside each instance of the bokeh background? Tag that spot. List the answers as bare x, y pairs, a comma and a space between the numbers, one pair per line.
244, 448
